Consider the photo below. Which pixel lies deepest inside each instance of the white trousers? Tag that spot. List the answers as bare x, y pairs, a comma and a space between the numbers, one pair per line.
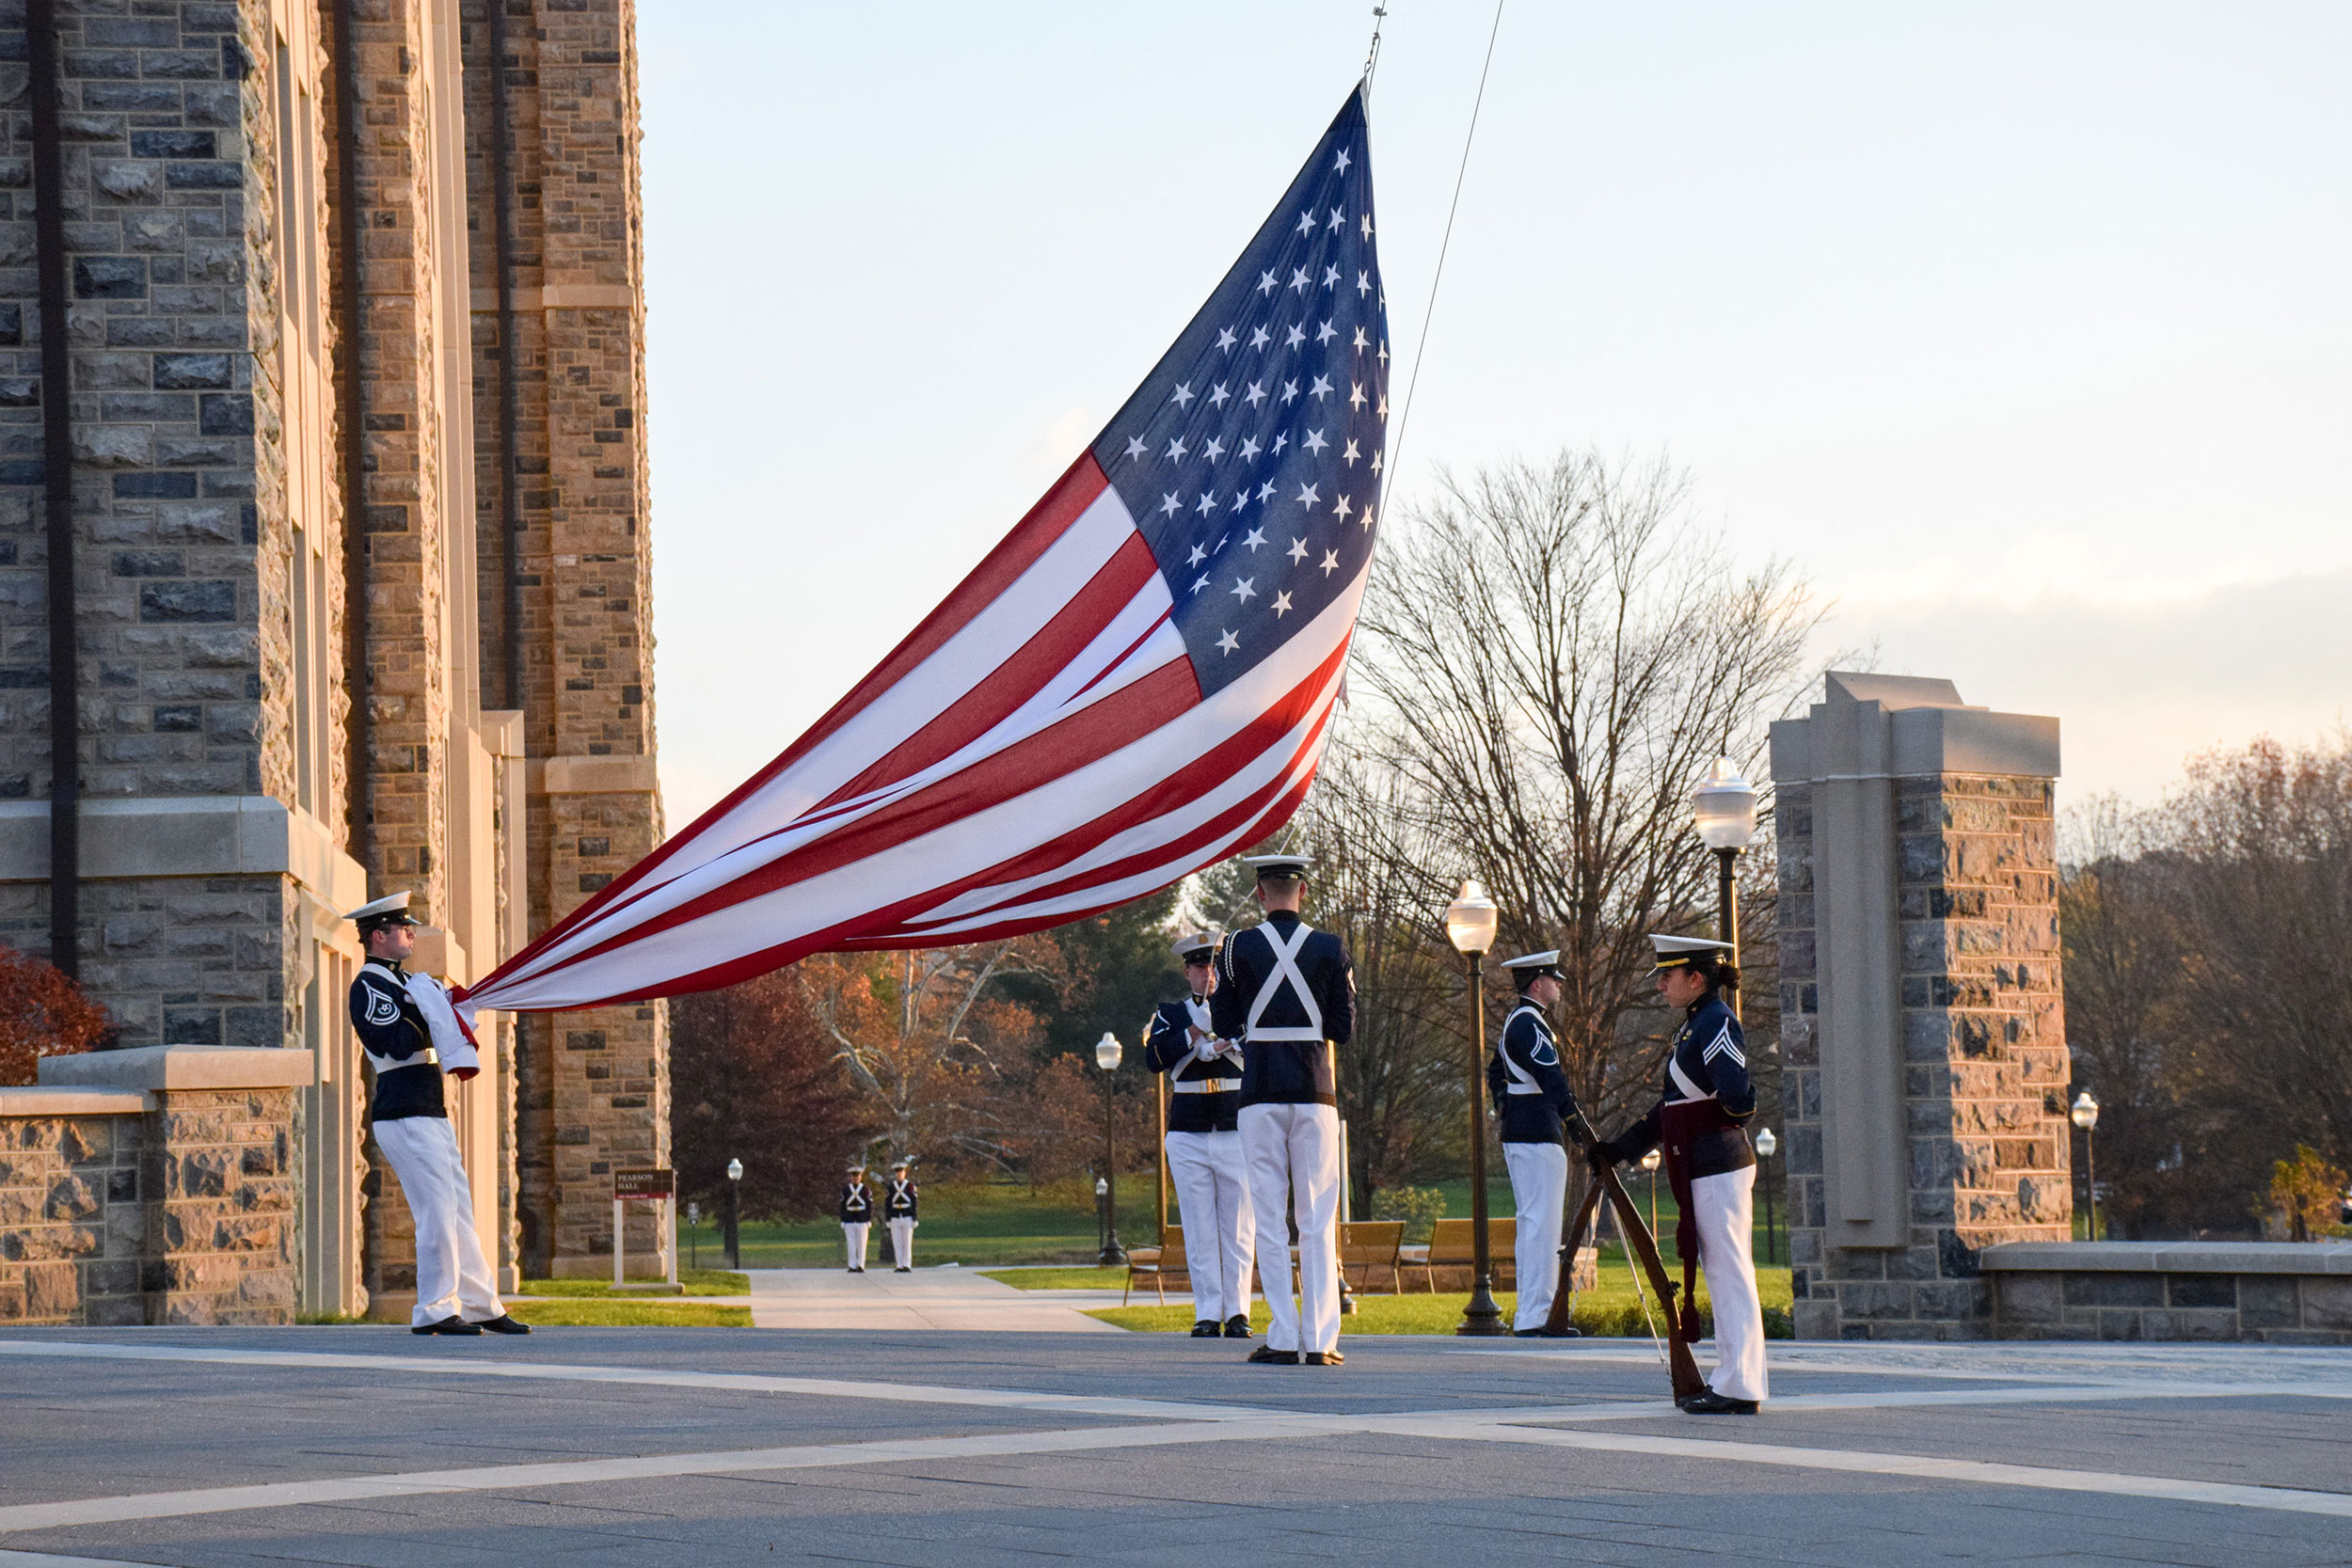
1294, 1158
1725, 1210
453, 1279
1539, 1185
853, 1241
902, 1243
1212, 1180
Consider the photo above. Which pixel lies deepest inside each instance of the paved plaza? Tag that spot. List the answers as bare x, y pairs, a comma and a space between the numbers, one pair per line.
368, 1445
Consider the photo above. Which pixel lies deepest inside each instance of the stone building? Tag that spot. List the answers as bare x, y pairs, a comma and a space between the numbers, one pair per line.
321, 421
1922, 1027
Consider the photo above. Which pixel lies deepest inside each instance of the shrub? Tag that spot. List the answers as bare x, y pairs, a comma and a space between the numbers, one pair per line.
43, 1014
1420, 1208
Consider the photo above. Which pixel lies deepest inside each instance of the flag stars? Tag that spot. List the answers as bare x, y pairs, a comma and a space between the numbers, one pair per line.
1376, 462
1136, 447
1183, 394
1229, 643
1338, 217
1244, 588
1331, 277
1364, 284
1225, 339
1265, 491
1362, 343
1367, 223
1384, 352
1176, 449
1261, 337
1308, 495
1249, 448
1207, 502
1383, 406
1341, 509
1298, 551
1355, 394
1299, 279
1366, 520
1315, 443
1196, 556
1267, 283
1321, 391
1214, 449
1307, 221
1169, 505
1280, 440
1290, 395
1241, 498
1217, 395
1202, 582
1254, 538
1339, 164
1331, 563
1281, 605
1297, 338
1351, 453
1325, 333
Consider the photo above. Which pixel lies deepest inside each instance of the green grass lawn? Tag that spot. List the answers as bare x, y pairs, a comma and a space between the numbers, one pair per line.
690, 1282
1088, 1278
591, 1313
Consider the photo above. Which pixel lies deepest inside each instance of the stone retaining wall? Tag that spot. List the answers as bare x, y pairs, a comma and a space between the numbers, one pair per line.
151, 1186
2272, 1291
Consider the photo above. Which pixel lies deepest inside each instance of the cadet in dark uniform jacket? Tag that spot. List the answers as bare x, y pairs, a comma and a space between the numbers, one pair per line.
899, 1200
1288, 993
1701, 1120
1205, 1158
1531, 1098
410, 1034
857, 1217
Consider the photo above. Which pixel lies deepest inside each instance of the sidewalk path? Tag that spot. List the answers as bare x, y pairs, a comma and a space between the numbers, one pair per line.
925, 1299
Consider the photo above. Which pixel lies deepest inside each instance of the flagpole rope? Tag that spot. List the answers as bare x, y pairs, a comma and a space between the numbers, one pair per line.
1372, 58
1422, 347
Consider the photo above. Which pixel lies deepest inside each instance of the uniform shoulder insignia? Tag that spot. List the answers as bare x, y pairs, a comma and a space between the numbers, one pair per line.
1544, 1055
382, 1006
1722, 1045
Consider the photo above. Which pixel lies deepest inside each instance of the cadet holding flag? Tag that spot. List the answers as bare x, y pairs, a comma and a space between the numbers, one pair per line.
1532, 1099
1701, 1122
1204, 1153
1288, 993
412, 1036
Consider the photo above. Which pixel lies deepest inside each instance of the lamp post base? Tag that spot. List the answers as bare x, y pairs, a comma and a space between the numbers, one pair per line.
1482, 1318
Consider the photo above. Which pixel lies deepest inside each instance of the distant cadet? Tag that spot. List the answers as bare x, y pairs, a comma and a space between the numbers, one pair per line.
898, 1201
1701, 1120
857, 1217
1532, 1101
1204, 1157
412, 1036
1287, 992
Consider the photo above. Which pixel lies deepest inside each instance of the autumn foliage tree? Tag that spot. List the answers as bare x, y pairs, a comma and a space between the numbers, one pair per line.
42, 1014
753, 1077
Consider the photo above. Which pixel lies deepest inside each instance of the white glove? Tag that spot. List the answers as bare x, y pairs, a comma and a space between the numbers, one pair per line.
1205, 1048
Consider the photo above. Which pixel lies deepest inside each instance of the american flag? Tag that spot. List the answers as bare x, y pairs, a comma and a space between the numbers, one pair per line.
1135, 683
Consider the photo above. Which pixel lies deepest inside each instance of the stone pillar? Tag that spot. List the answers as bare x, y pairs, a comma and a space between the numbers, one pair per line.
1924, 1037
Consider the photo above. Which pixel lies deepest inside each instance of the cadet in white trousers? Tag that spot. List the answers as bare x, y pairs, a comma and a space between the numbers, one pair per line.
412, 1036
1701, 1121
857, 1217
899, 1204
1531, 1099
1203, 1143
1288, 993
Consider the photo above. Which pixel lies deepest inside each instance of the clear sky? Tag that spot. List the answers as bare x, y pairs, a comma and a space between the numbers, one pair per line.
2023, 329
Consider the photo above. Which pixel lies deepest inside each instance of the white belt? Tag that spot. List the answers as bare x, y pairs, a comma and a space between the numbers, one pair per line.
1205, 1086
427, 1057
1522, 1089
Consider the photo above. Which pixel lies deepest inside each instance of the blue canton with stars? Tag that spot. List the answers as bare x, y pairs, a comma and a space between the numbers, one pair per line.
1251, 457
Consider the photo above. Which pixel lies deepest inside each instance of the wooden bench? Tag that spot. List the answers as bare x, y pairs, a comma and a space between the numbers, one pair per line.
1452, 1245
1366, 1245
1158, 1261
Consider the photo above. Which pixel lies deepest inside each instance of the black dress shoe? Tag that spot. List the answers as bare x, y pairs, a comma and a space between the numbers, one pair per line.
451, 1325
1324, 1359
1207, 1328
1237, 1326
893, 1271
1546, 1334
502, 1323
1712, 1404
1266, 1355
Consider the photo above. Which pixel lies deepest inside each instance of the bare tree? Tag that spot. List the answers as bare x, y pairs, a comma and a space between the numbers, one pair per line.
1557, 653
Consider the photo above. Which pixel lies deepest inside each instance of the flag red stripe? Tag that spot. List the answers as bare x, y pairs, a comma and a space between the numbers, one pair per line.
1018, 678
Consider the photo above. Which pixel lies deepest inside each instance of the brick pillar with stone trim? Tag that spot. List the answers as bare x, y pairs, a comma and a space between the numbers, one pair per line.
1924, 1037
593, 1085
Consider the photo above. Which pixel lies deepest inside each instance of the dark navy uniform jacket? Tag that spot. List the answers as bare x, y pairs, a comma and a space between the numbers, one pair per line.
857, 1204
399, 1044
1529, 1092
898, 1203
1259, 1003
1710, 1060
1168, 1048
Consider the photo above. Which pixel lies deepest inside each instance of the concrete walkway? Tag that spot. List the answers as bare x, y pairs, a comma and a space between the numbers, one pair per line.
931, 1298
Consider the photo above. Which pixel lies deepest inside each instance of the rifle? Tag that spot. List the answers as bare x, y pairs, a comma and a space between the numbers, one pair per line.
1683, 1368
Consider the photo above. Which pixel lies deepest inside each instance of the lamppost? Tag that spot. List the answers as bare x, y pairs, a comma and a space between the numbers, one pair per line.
1470, 924
2085, 1114
1723, 805
735, 1180
694, 1233
1649, 1163
1106, 1054
1766, 1145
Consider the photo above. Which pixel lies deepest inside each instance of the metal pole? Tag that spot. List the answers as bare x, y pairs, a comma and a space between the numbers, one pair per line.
2090, 1158
1113, 1255
1728, 914
1482, 1316
65, 724
735, 1250
1772, 1254
1159, 1165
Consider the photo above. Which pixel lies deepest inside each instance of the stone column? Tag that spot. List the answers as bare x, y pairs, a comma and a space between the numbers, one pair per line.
1924, 1035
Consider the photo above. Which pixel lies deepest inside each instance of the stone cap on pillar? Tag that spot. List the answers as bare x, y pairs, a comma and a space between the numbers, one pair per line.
184, 1066
1872, 726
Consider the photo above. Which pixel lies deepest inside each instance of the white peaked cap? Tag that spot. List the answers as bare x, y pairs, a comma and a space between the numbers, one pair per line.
1534, 960
391, 904
1291, 867
1671, 951
1198, 942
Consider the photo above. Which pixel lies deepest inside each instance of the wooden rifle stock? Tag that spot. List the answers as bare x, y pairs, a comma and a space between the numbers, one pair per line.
1683, 1367
1563, 1294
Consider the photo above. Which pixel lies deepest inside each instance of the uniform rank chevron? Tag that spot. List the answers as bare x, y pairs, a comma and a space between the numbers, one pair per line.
1135, 683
